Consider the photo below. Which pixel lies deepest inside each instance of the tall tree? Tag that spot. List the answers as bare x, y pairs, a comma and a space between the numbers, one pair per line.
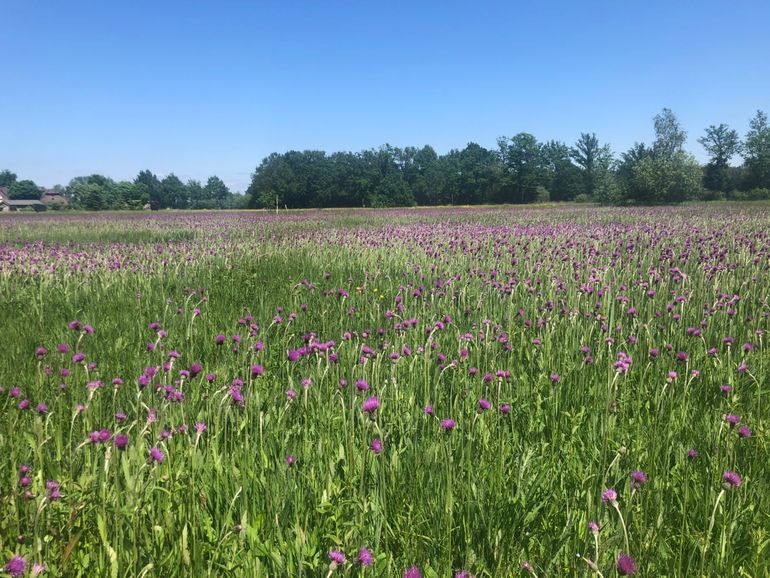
594, 160
7, 178
721, 143
217, 191
563, 179
757, 152
669, 135
24, 190
152, 187
522, 158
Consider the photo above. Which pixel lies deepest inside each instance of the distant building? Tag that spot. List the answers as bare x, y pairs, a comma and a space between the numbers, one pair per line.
7, 204
53, 199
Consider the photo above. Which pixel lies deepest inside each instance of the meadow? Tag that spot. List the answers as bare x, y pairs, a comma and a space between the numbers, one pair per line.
436, 392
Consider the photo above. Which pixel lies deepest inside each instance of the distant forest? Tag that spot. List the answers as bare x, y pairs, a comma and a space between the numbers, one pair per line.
520, 170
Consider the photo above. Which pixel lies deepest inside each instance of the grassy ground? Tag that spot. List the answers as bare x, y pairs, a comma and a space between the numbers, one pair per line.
604, 341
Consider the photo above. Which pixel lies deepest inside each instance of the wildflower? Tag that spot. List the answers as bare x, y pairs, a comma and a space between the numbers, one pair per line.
555, 377
38, 569
731, 479
337, 557
428, 410
257, 370
484, 405
361, 385
626, 565
505, 408
41, 408
371, 404
52, 488
638, 479
412, 572
62, 348
365, 557
121, 441
744, 432
732, 419
376, 445
200, 427
25, 481
448, 424
593, 527
16, 566
692, 454
290, 459
155, 456
40, 352
610, 495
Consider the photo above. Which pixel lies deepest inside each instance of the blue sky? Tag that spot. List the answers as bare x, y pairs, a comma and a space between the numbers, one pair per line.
199, 88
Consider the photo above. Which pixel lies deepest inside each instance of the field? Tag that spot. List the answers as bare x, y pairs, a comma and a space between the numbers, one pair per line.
449, 392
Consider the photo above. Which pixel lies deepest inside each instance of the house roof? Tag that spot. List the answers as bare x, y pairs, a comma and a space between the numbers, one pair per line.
21, 202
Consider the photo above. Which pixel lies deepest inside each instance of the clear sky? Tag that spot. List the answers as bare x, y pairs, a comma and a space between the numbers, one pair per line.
200, 87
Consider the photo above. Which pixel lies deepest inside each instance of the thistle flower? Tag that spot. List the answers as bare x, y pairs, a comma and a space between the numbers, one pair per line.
412, 572
155, 456
484, 405
638, 479
337, 557
370, 405
626, 565
376, 445
448, 424
731, 479
610, 495
121, 441
16, 566
744, 432
692, 454
365, 557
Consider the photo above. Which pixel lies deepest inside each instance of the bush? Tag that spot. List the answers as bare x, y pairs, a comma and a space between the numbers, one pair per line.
756, 194
542, 195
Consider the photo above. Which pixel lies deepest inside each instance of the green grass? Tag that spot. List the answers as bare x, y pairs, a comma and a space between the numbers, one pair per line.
497, 490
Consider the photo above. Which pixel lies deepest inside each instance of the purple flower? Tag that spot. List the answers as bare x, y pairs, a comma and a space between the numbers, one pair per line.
412, 572
155, 456
52, 488
337, 557
463, 574
732, 419
200, 427
121, 441
365, 557
744, 432
484, 405
361, 385
638, 478
376, 445
370, 404
731, 479
692, 454
448, 424
290, 459
555, 377
257, 370
16, 566
428, 410
626, 565
593, 527
609, 495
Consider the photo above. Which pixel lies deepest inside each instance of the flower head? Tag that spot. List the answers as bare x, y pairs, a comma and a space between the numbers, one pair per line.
155, 456
609, 495
638, 478
365, 557
731, 479
626, 565
376, 445
412, 572
448, 424
16, 566
337, 557
371, 404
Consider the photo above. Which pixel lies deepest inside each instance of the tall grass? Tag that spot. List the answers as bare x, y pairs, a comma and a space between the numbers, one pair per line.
603, 342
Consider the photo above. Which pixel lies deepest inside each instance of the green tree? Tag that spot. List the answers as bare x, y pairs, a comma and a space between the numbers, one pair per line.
563, 180
669, 136
217, 191
757, 152
594, 160
173, 193
521, 156
152, 187
7, 178
24, 190
721, 143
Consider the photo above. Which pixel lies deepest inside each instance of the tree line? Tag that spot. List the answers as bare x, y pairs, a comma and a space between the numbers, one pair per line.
524, 170
97, 192
520, 170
